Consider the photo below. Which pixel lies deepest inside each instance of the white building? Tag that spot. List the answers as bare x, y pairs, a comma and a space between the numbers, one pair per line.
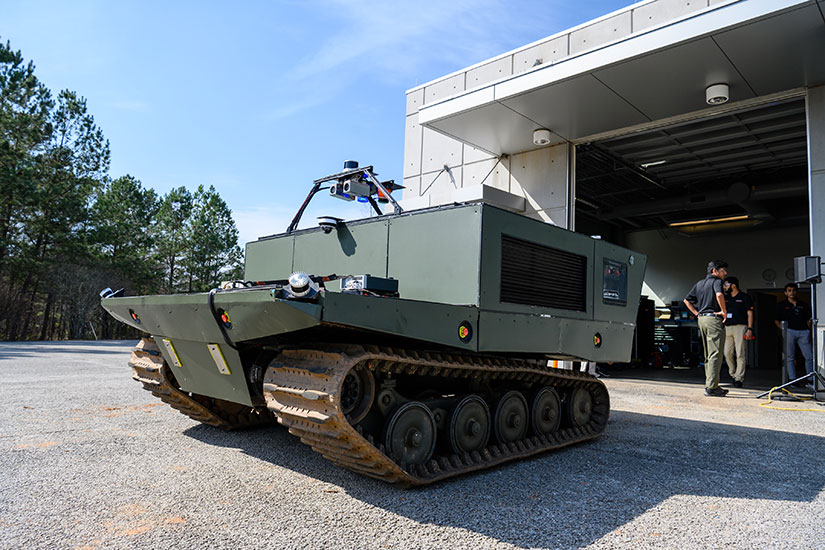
685, 129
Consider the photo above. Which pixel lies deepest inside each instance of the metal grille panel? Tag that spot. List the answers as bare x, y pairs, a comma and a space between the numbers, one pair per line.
537, 275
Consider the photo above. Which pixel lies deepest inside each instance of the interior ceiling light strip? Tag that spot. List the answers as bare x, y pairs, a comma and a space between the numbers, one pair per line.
715, 220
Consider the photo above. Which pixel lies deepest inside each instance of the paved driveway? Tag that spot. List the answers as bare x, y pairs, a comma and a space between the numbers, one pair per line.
92, 461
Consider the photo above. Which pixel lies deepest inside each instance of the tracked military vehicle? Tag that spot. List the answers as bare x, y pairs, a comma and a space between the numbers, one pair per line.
410, 347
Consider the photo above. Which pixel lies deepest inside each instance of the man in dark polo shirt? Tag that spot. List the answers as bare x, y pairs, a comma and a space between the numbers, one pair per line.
738, 327
707, 302
798, 315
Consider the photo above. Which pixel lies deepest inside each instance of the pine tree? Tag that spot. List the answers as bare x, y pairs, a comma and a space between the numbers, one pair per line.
171, 230
212, 251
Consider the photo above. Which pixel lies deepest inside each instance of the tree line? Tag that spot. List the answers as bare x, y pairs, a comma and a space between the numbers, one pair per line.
68, 229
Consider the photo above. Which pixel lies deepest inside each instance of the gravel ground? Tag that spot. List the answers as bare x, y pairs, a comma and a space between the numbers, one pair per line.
91, 461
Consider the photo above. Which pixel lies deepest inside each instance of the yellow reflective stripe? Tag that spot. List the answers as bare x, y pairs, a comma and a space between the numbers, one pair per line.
172, 353
220, 360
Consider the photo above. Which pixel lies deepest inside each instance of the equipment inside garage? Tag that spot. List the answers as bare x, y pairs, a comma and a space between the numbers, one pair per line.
731, 186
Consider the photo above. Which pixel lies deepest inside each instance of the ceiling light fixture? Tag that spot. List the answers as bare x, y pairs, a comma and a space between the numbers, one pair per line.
716, 94
710, 220
541, 136
647, 165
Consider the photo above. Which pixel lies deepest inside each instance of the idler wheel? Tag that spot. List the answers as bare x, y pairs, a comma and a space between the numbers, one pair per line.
357, 393
470, 425
410, 434
511, 419
546, 409
579, 407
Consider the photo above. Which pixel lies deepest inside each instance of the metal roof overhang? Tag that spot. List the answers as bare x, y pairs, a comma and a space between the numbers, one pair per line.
757, 47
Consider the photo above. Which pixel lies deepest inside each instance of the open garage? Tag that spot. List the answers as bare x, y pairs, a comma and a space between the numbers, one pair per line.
685, 130
731, 186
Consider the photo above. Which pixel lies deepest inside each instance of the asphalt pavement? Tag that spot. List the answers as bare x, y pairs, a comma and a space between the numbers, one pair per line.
90, 461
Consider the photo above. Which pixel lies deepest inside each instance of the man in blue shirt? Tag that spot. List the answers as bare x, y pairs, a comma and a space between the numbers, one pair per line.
707, 302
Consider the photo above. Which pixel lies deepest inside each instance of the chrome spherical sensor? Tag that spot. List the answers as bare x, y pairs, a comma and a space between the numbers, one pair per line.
299, 283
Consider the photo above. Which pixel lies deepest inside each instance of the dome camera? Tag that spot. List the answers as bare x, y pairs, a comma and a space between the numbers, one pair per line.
328, 223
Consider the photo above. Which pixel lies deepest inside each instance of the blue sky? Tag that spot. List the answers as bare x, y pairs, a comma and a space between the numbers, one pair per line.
260, 98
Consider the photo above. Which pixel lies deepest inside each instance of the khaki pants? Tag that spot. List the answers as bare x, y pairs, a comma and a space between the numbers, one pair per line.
735, 340
712, 331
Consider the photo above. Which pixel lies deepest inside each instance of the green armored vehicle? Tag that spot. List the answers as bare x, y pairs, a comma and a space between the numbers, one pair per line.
409, 347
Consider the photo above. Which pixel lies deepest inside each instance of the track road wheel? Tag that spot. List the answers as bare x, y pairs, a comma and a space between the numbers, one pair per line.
357, 393
470, 425
579, 407
546, 411
410, 434
510, 422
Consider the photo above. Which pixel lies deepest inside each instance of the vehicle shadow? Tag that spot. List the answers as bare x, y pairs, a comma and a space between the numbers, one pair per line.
573, 497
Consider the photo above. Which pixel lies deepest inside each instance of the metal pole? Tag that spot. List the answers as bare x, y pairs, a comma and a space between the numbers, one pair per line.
815, 374
93, 329
379, 185
814, 336
785, 355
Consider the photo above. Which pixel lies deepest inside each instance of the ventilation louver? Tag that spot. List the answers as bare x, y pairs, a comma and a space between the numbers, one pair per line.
538, 275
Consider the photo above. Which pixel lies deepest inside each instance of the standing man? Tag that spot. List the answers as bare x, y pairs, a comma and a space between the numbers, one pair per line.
738, 326
707, 302
798, 315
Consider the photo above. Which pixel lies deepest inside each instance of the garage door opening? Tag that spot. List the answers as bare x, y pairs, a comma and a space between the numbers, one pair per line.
732, 186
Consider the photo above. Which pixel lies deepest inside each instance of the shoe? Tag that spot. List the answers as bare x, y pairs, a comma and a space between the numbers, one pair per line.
809, 385
716, 392
737, 384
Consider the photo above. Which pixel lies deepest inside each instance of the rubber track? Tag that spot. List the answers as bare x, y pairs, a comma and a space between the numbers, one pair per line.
302, 388
150, 369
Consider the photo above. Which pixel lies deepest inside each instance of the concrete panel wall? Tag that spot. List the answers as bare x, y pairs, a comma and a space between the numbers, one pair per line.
601, 32
415, 100
444, 88
489, 72
545, 53
637, 18
487, 172
656, 13
438, 150
541, 177
442, 184
413, 137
